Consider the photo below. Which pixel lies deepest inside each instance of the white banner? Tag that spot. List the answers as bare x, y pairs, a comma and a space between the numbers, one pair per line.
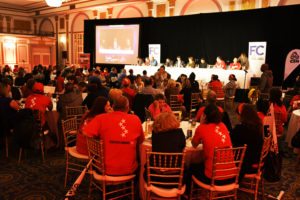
154, 50
257, 57
292, 61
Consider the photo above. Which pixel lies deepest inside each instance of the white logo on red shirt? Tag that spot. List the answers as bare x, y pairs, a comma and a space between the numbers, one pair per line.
32, 102
123, 128
223, 137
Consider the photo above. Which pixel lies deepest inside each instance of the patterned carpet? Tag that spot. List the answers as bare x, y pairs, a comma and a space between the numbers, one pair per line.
35, 180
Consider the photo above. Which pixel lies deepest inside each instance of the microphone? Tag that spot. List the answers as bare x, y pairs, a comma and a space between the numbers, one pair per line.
245, 71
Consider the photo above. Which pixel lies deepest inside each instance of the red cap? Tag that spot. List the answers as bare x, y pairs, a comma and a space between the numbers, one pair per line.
38, 87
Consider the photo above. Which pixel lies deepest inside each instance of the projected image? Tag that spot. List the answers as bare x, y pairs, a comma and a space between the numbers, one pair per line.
117, 44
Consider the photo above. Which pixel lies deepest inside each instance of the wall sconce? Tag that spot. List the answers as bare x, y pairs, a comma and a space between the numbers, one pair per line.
63, 39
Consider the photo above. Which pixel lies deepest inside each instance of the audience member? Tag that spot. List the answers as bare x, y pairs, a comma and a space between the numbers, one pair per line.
122, 135
249, 132
159, 106
216, 85
101, 105
230, 87
266, 79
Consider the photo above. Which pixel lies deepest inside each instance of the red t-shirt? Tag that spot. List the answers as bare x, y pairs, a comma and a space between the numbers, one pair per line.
201, 110
261, 116
220, 65
38, 102
60, 82
211, 135
217, 87
156, 111
235, 66
283, 118
121, 133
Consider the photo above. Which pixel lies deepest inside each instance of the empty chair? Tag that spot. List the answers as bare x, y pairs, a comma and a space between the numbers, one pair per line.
112, 187
165, 175
74, 160
227, 163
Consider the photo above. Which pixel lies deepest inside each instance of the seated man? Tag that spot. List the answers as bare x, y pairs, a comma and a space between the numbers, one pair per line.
159, 106
122, 134
38, 101
211, 99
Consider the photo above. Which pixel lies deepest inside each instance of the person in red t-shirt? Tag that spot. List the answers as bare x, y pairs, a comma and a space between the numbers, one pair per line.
279, 110
38, 101
211, 133
101, 105
211, 99
127, 91
122, 135
158, 106
60, 82
235, 64
216, 85
220, 64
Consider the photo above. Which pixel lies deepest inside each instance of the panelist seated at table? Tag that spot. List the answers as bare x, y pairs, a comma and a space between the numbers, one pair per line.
169, 62
191, 62
159, 106
220, 63
38, 101
167, 137
212, 133
203, 63
179, 62
153, 61
235, 65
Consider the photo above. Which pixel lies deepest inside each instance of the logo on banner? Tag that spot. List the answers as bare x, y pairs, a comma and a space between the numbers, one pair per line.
154, 50
292, 61
257, 56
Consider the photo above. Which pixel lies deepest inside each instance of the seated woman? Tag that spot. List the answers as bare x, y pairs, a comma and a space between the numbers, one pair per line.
211, 133
159, 106
230, 87
100, 105
216, 85
191, 62
249, 132
167, 136
279, 110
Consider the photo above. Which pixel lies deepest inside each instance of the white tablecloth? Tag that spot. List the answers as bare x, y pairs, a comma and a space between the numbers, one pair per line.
202, 75
193, 155
294, 126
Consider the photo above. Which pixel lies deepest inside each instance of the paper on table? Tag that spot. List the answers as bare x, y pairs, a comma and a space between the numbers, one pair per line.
49, 89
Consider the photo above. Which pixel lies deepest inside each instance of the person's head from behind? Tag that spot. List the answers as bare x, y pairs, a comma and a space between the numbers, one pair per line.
214, 77
262, 106
264, 67
114, 94
192, 77
121, 103
125, 82
165, 121
171, 83
232, 77
249, 116
69, 87
144, 72
38, 88
101, 105
275, 96
130, 72
82, 86
212, 114
211, 97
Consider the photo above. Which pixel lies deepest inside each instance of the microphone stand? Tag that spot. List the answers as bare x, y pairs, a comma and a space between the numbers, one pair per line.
245, 84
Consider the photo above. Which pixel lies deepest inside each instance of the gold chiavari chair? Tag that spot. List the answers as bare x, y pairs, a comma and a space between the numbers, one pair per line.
227, 163
195, 100
74, 160
250, 182
112, 187
165, 175
75, 111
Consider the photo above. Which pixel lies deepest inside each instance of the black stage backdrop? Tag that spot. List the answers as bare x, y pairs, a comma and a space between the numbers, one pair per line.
216, 34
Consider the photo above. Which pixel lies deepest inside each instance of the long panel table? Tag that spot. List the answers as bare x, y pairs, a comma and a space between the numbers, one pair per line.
203, 75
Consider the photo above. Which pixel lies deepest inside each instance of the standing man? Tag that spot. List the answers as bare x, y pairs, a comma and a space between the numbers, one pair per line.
122, 135
266, 79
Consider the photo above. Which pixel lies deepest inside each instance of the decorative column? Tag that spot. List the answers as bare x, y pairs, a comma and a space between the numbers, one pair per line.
8, 18
56, 42
34, 26
67, 35
150, 8
110, 11
171, 7
1, 23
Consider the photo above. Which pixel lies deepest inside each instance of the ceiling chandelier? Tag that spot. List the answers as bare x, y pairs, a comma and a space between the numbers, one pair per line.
54, 3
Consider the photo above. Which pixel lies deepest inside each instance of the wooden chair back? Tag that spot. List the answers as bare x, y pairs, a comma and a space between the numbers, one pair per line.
75, 111
165, 169
69, 129
227, 163
176, 102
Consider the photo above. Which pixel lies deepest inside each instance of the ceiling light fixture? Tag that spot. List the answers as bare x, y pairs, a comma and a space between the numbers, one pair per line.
54, 3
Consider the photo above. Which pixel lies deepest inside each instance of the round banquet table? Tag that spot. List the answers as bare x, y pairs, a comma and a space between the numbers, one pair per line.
193, 155
294, 126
